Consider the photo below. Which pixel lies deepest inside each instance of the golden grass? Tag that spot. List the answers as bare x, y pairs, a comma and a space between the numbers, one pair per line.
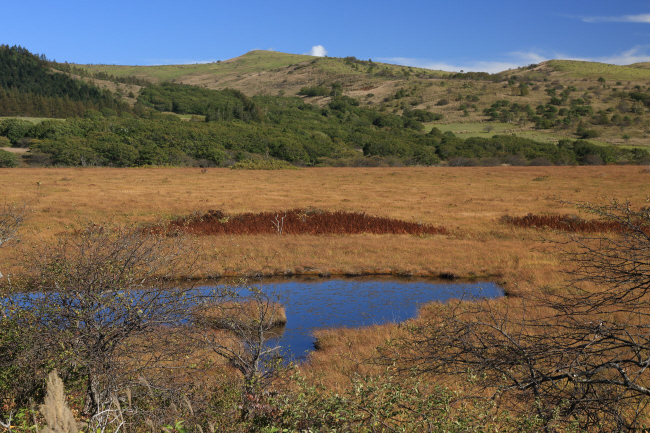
344, 352
467, 201
247, 313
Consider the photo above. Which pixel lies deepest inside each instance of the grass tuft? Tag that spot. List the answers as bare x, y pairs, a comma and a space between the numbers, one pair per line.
229, 315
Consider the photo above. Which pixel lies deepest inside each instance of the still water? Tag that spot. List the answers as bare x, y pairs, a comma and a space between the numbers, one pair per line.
357, 302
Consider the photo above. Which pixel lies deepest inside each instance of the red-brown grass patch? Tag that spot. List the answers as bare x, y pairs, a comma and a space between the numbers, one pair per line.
567, 223
297, 221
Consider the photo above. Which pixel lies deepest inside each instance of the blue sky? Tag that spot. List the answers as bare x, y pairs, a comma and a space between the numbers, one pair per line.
449, 35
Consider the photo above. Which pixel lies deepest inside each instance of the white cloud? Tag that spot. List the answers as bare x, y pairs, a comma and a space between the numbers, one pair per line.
517, 59
318, 51
641, 18
634, 55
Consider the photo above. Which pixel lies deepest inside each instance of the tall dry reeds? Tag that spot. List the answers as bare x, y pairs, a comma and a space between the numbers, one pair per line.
55, 410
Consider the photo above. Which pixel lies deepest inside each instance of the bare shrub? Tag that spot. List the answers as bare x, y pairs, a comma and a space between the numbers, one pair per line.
592, 160
490, 162
460, 161
250, 323
105, 308
540, 162
516, 160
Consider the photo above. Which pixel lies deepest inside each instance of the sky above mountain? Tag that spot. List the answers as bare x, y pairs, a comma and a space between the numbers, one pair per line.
471, 35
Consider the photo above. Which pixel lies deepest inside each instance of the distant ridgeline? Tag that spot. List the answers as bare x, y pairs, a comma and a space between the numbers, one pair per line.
28, 87
228, 126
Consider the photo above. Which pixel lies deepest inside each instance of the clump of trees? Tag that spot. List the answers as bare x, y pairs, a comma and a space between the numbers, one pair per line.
8, 159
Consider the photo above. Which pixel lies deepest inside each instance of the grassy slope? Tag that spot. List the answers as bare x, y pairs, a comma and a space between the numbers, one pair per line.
592, 70
251, 62
641, 65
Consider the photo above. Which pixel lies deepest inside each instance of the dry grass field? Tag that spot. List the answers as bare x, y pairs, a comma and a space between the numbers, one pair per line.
467, 201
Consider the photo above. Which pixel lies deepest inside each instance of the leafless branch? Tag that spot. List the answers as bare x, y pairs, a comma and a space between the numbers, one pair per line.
107, 304
241, 330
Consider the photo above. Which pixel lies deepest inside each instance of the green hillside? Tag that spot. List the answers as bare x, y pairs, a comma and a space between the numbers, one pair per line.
641, 65
595, 70
251, 62
255, 62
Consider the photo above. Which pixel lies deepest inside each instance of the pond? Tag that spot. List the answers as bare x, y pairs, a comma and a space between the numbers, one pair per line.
309, 304
354, 302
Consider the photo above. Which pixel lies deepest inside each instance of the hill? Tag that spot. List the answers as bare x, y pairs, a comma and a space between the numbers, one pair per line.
345, 111
259, 72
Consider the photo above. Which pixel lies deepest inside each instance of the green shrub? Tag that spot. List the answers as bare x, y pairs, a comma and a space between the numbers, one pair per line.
315, 91
263, 164
8, 159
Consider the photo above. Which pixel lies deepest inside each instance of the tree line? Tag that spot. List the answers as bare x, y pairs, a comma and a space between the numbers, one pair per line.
28, 87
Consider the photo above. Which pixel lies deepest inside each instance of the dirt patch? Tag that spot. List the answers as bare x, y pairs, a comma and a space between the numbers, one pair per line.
18, 150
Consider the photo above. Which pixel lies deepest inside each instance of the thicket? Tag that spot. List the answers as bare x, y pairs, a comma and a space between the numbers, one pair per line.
567, 223
222, 105
296, 132
8, 159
